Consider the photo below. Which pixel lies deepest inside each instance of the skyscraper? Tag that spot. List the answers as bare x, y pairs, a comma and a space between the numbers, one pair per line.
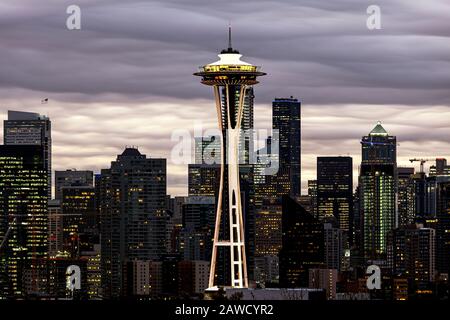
71, 178
55, 228
443, 225
286, 119
133, 215
203, 180
23, 218
377, 182
207, 150
335, 190
27, 128
441, 168
334, 246
268, 241
405, 196
231, 78
412, 254
302, 244
198, 227
312, 193
80, 219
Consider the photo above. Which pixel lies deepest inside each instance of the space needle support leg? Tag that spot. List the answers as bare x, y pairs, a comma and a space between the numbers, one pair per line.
237, 243
212, 269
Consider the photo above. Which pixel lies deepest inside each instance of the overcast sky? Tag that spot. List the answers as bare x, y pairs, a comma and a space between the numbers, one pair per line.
126, 77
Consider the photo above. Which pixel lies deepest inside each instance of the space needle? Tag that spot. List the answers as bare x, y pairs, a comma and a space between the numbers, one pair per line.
229, 77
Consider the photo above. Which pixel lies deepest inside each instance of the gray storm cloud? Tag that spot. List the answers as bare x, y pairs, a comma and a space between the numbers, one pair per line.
126, 77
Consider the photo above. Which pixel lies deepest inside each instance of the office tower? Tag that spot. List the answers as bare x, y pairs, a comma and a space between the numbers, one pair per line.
412, 254
302, 244
324, 279
133, 215
246, 135
80, 219
443, 225
94, 274
55, 228
357, 221
419, 205
335, 190
27, 128
377, 182
198, 228
441, 168
286, 119
334, 246
405, 196
24, 218
268, 229
268, 241
312, 193
71, 178
175, 223
230, 77
203, 180
207, 150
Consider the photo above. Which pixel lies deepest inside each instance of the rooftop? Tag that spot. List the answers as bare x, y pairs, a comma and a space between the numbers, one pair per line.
378, 130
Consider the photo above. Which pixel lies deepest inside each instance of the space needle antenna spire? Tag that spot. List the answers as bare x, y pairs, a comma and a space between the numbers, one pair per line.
229, 36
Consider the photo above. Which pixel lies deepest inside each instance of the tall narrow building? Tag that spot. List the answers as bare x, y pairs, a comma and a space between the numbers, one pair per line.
23, 219
287, 120
405, 196
28, 128
377, 182
133, 215
312, 193
335, 190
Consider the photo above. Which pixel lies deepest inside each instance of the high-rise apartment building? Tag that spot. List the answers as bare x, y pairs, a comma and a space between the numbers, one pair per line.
133, 215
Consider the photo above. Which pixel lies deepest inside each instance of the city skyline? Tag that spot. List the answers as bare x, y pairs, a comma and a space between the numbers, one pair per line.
329, 181
373, 75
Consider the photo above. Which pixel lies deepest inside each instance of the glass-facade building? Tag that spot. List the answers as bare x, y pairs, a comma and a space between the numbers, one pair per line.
335, 190
28, 128
286, 118
23, 219
377, 182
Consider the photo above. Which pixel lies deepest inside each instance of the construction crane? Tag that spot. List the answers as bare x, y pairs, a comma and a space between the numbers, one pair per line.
422, 162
